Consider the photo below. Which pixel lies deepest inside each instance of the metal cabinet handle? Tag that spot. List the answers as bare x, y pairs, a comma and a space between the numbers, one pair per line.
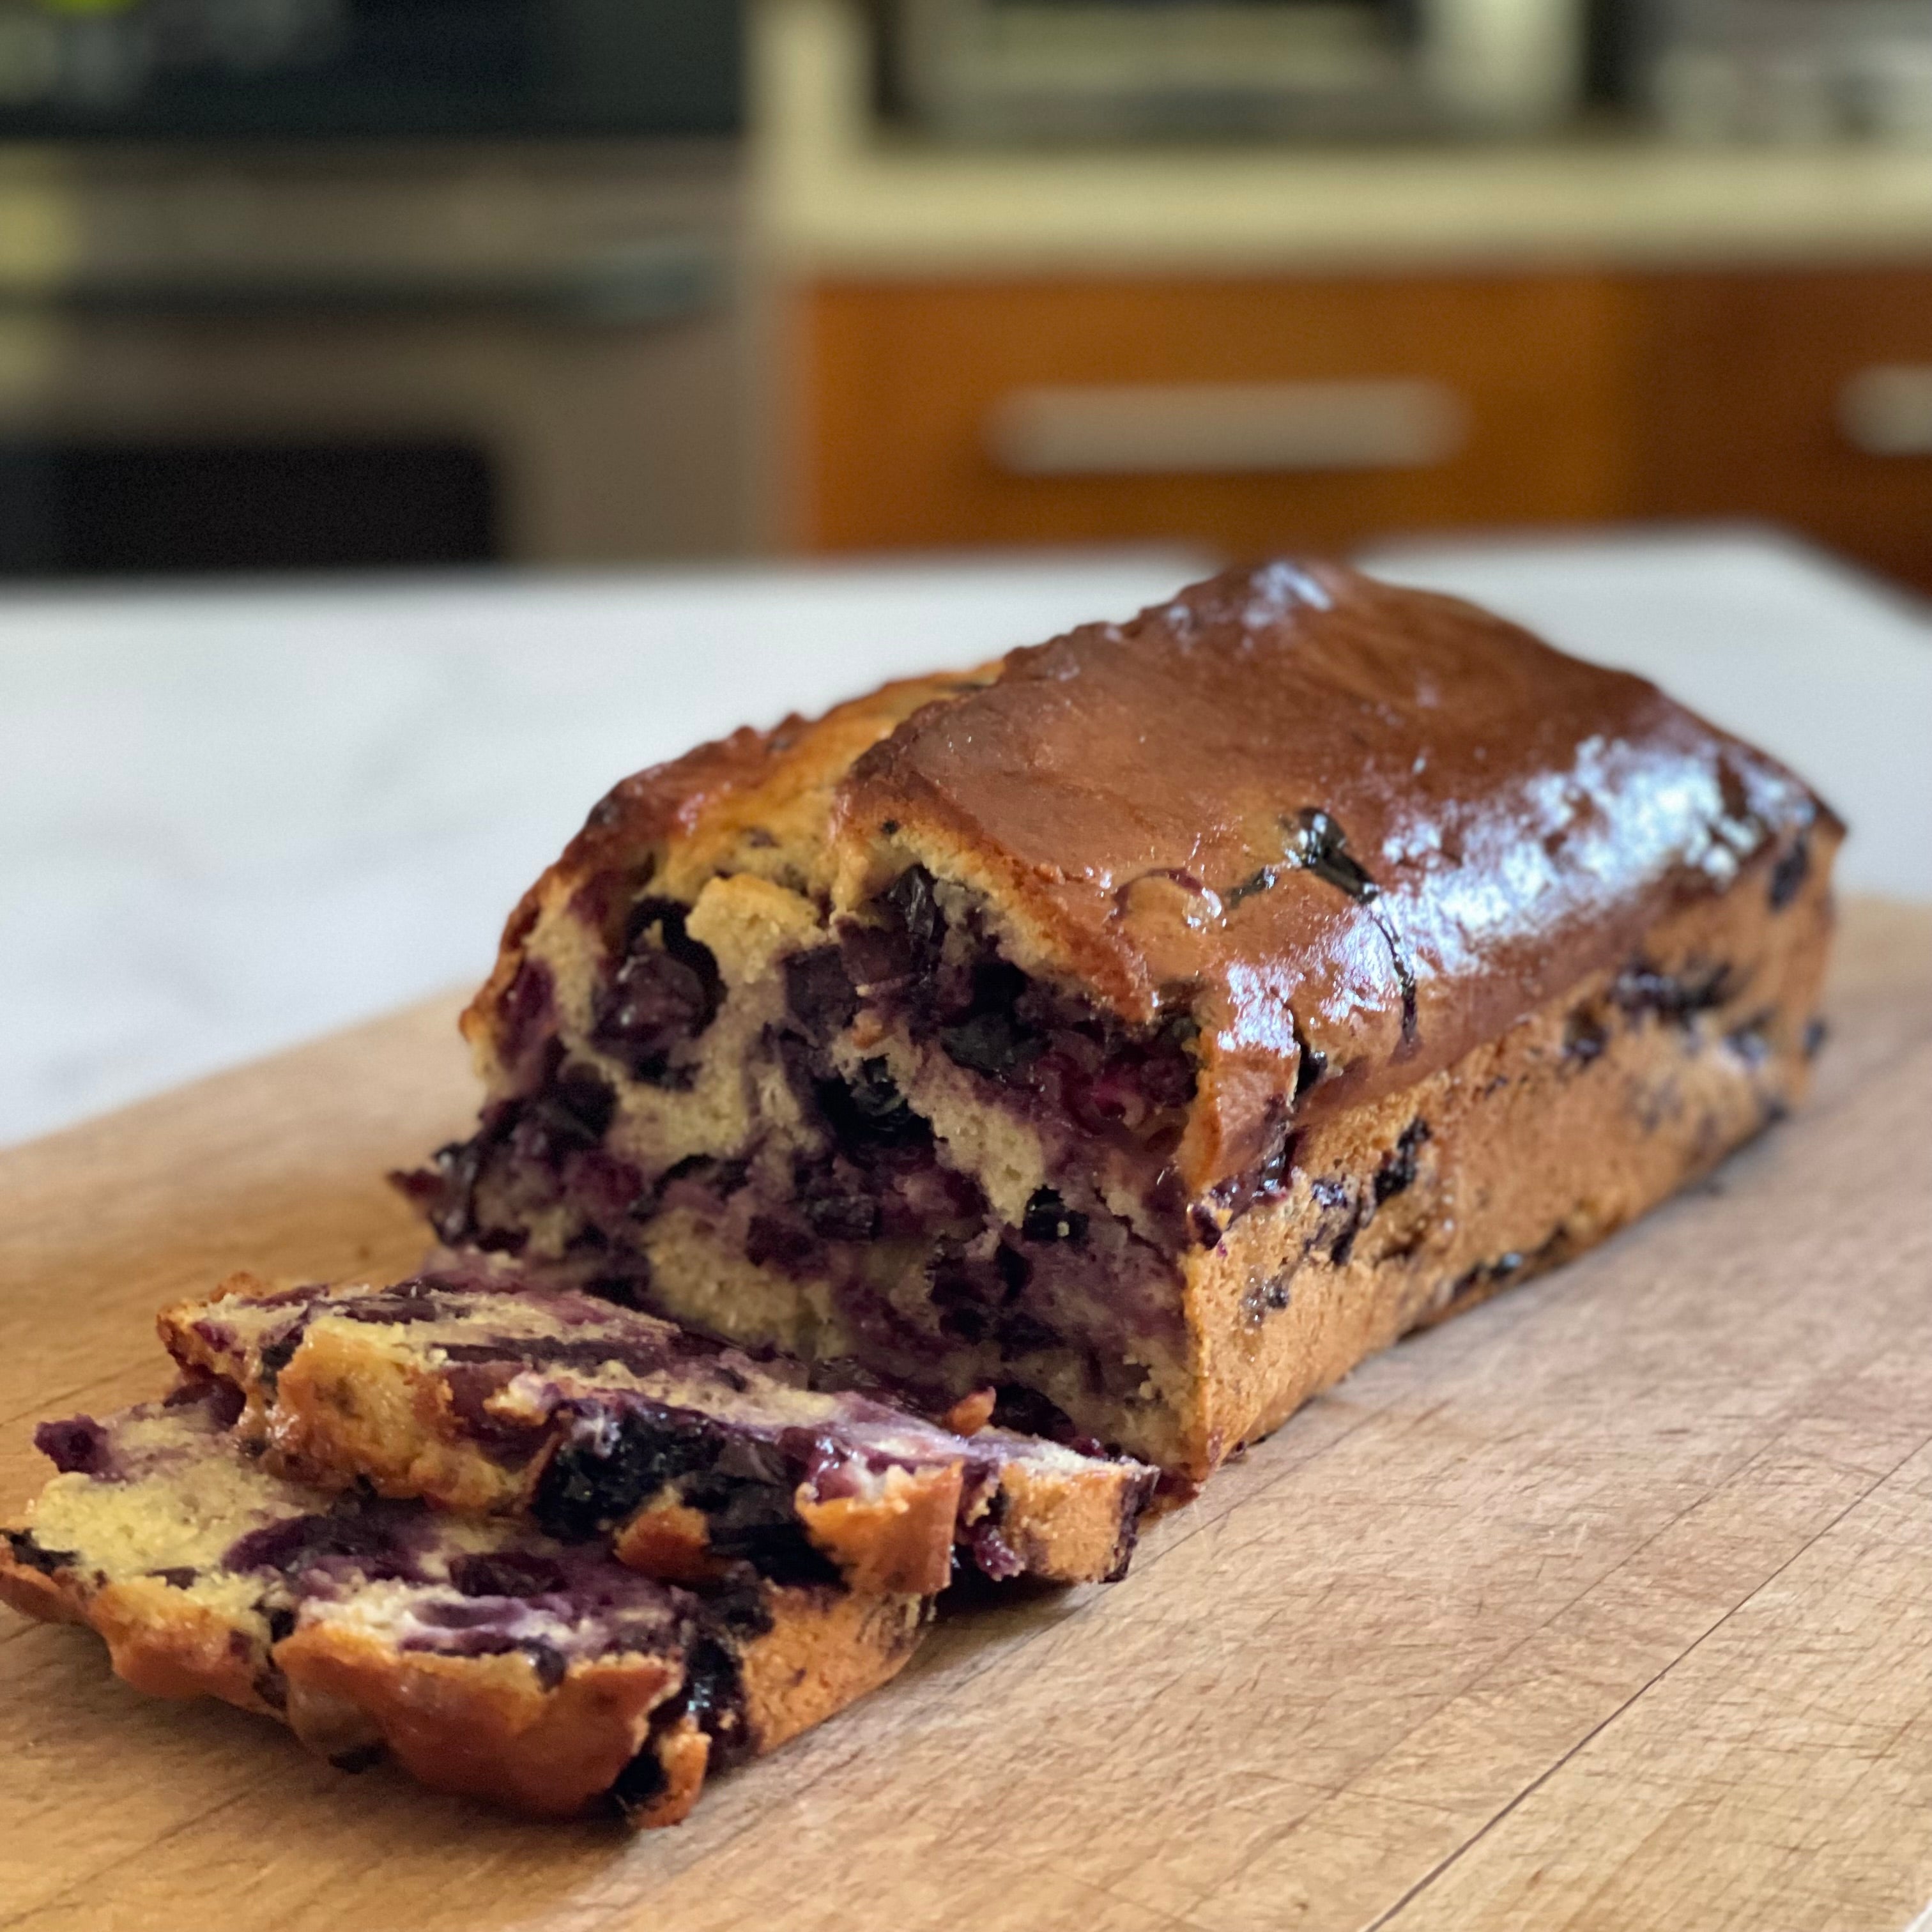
1886, 410
1206, 428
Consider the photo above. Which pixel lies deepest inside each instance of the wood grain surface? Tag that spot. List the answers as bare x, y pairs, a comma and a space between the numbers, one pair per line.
1608, 1606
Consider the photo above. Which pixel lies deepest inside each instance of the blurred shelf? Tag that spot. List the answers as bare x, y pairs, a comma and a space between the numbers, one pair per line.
834, 198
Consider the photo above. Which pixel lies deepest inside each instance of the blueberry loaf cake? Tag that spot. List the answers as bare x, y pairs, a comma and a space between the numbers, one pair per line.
488, 1659
1149, 1025
479, 1392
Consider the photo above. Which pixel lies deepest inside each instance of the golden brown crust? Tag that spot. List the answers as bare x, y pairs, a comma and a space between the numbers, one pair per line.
486, 1727
684, 1756
331, 1725
971, 1413
1080, 1521
1531, 1157
1539, 1146
157, 1641
901, 1540
34, 1594
169, 1648
825, 1649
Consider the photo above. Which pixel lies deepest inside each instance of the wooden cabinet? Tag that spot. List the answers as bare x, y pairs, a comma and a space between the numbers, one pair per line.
910, 390
1805, 399
1260, 413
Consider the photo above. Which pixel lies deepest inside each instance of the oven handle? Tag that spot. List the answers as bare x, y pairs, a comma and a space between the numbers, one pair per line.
651, 286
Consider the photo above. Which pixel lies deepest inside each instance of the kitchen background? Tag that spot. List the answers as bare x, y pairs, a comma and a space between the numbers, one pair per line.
345, 284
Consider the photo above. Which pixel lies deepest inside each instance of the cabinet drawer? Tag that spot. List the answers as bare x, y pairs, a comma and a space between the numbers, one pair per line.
1250, 414
1805, 398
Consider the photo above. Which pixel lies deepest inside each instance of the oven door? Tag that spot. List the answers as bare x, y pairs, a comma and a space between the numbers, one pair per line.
372, 392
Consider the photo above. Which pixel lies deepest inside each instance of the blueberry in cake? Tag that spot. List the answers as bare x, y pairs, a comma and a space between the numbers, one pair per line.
479, 1391
487, 1657
1147, 1026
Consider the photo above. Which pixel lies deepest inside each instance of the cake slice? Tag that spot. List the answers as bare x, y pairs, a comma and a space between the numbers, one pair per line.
489, 1660
481, 1393
1149, 1025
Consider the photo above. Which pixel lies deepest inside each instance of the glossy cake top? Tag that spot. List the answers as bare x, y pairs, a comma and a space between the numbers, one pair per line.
1382, 821
1352, 830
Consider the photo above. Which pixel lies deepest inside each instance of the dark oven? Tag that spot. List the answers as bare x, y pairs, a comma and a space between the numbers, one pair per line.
355, 282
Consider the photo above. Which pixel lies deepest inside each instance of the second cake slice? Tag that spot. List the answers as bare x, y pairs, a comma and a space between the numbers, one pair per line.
479, 1392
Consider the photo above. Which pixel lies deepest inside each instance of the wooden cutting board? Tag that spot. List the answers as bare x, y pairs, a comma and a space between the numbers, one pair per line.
1609, 1605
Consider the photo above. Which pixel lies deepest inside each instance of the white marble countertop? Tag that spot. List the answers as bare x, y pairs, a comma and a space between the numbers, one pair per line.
231, 818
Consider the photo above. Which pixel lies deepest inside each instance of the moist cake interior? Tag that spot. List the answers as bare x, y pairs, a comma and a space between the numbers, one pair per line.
875, 1143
